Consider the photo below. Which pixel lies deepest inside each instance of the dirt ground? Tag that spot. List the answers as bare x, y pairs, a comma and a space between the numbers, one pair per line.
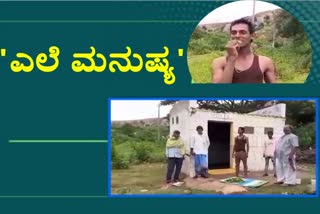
150, 179
213, 182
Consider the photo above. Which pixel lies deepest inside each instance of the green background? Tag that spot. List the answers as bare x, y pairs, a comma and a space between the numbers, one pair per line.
72, 177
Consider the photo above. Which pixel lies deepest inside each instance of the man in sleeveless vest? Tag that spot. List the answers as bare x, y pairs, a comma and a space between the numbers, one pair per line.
240, 151
241, 65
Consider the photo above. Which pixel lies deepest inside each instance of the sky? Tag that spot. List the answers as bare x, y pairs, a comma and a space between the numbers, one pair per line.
137, 109
235, 10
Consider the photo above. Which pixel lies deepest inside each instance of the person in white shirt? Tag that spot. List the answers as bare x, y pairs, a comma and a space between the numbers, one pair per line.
199, 149
285, 153
268, 153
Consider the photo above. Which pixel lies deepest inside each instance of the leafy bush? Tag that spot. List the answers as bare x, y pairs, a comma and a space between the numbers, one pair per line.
137, 144
118, 160
143, 151
306, 135
120, 163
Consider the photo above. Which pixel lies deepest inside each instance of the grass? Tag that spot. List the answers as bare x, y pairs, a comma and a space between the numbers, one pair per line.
200, 69
143, 177
149, 179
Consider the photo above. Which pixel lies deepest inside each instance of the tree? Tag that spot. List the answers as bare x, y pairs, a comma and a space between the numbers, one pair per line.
168, 102
300, 112
128, 129
267, 19
239, 106
288, 26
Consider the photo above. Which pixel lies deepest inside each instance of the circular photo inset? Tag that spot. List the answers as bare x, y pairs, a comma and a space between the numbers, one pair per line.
249, 42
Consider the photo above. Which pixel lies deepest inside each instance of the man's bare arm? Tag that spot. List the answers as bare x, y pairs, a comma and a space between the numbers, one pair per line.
270, 72
223, 67
247, 139
234, 145
222, 70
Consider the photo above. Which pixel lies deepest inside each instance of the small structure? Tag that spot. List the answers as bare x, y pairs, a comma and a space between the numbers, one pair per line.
222, 128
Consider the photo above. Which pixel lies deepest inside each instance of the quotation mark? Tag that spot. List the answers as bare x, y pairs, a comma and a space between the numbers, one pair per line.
3, 52
180, 52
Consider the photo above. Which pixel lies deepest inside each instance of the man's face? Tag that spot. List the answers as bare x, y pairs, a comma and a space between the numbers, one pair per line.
199, 131
176, 135
240, 131
270, 134
241, 33
286, 130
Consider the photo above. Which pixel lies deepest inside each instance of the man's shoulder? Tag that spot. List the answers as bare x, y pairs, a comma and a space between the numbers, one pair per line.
264, 59
194, 135
293, 135
219, 60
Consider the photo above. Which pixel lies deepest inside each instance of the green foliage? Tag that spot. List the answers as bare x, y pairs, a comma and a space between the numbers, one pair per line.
118, 137
149, 152
287, 26
205, 43
306, 135
300, 112
128, 129
198, 34
143, 151
140, 147
118, 160
128, 132
120, 163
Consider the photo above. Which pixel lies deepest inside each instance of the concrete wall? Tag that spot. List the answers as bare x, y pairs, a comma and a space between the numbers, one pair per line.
180, 110
189, 119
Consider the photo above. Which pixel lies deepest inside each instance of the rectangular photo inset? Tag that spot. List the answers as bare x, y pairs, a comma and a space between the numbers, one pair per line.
213, 147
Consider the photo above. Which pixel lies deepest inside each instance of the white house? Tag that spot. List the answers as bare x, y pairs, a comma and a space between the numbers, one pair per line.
222, 128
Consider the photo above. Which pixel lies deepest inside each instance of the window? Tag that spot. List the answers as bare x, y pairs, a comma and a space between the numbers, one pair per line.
172, 120
248, 130
177, 120
267, 129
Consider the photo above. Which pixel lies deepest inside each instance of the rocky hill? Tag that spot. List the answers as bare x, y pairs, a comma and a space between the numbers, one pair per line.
260, 19
143, 122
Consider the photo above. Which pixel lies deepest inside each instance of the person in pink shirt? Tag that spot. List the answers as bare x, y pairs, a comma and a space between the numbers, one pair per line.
268, 154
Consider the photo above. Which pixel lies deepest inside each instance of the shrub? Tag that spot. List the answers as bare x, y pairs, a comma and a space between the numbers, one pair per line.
136, 144
143, 151
120, 163
306, 135
158, 157
118, 160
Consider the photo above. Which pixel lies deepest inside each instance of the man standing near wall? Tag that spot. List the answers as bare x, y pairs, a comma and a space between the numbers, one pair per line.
285, 157
175, 151
268, 154
240, 151
199, 149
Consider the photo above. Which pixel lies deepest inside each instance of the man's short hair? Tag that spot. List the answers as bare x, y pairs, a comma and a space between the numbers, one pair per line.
289, 126
243, 21
176, 132
270, 132
241, 128
199, 127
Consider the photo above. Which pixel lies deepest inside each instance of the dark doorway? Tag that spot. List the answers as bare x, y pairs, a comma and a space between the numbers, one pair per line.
219, 149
